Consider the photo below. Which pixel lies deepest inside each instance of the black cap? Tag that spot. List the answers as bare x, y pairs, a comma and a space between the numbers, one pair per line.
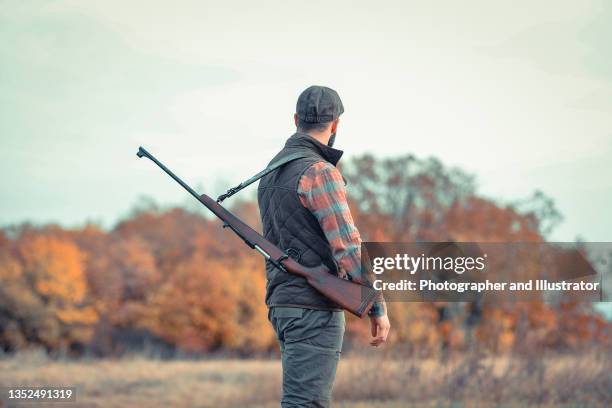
319, 104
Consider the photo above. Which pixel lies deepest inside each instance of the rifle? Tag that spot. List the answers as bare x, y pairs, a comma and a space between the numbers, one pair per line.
352, 296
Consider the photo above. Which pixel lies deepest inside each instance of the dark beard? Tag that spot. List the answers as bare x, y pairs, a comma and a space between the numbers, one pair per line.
331, 141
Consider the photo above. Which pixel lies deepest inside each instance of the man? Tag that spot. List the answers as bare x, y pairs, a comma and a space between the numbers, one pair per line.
304, 211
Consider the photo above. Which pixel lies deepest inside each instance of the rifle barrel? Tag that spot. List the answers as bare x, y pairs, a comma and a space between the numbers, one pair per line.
143, 152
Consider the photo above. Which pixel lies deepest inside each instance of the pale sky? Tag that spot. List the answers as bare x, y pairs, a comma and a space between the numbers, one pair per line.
518, 93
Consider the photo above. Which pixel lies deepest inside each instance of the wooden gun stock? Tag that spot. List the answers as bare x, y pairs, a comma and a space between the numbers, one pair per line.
351, 296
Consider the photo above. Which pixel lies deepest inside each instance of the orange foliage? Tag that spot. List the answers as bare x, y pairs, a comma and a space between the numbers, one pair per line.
45, 290
177, 278
55, 267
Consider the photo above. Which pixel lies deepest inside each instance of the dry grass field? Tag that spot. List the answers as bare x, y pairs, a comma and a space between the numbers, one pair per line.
363, 381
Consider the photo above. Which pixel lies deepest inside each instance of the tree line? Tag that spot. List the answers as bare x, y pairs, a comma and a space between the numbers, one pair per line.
172, 278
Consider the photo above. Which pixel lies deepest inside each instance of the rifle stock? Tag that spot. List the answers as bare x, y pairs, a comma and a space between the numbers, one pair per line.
351, 296
354, 297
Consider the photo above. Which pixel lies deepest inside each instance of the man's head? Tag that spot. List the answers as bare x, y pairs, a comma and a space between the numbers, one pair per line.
317, 113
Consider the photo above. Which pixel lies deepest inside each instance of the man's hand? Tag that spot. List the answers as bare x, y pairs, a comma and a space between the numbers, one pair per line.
380, 329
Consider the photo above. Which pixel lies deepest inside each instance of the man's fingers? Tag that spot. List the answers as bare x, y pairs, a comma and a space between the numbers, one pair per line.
380, 330
377, 341
380, 336
376, 334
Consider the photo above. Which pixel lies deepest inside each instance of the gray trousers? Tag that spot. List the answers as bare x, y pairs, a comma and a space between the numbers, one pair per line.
310, 343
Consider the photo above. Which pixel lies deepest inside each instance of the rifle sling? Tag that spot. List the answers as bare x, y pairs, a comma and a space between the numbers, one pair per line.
272, 167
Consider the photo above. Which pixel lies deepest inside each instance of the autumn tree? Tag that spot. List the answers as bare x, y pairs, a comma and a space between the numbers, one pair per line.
44, 294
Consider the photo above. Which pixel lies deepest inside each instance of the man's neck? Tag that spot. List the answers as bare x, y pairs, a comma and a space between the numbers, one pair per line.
322, 138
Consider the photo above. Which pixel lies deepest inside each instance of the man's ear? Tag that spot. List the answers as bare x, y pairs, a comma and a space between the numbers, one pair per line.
295, 119
334, 126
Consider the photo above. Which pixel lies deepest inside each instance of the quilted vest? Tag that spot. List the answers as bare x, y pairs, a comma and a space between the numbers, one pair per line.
292, 227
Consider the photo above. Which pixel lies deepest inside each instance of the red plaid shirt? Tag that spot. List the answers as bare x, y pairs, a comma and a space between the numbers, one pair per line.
321, 190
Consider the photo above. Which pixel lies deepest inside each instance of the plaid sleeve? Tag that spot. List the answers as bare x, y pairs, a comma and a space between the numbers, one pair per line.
321, 190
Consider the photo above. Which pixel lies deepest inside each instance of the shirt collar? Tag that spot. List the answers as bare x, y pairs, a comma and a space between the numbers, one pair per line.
300, 139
